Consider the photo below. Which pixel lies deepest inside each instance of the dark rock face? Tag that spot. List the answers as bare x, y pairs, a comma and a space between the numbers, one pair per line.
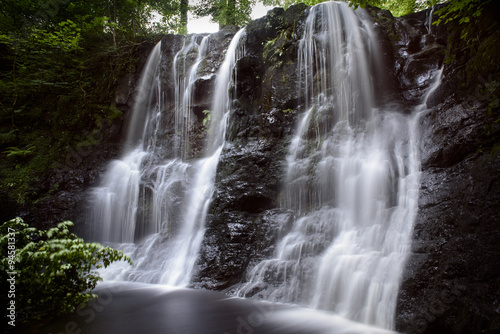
452, 276
412, 51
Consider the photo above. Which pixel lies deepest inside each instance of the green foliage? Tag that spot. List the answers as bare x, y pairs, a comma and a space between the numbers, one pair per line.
397, 7
174, 15
124, 19
54, 269
66, 37
226, 12
8, 137
464, 19
269, 47
491, 92
17, 152
59, 70
207, 118
25, 168
461, 10
473, 43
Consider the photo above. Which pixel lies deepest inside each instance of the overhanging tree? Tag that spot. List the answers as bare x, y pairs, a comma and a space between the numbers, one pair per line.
226, 12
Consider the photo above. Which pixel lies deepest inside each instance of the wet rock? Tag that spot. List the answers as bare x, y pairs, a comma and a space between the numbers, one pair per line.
452, 132
243, 223
418, 70
238, 227
451, 280
244, 240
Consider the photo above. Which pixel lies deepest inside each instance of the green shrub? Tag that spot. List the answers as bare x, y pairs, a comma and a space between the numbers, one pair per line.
53, 269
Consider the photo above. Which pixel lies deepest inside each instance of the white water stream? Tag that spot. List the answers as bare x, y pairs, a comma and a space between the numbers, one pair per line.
353, 180
155, 209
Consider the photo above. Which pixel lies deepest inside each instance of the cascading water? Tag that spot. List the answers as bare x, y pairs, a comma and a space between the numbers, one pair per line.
114, 205
183, 251
428, 20
184, 89
353, 179
164, 201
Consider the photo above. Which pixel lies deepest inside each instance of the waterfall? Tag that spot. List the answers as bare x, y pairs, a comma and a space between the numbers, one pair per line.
153, 201
428, 20
184, 88
352, 179
113, 216
184, 251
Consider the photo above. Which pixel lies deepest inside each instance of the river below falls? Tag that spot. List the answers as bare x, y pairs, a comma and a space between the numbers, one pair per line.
131, 308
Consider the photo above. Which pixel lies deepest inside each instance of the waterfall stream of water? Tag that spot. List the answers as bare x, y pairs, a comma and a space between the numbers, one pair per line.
155, 209
353, 179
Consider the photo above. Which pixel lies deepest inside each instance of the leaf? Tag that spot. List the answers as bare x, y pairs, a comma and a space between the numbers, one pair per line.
15, 151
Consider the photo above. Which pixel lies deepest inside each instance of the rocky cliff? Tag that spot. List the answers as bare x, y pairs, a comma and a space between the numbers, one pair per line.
451, 281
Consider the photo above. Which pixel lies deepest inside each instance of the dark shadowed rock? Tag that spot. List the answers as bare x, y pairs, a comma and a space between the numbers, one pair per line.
451, 280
